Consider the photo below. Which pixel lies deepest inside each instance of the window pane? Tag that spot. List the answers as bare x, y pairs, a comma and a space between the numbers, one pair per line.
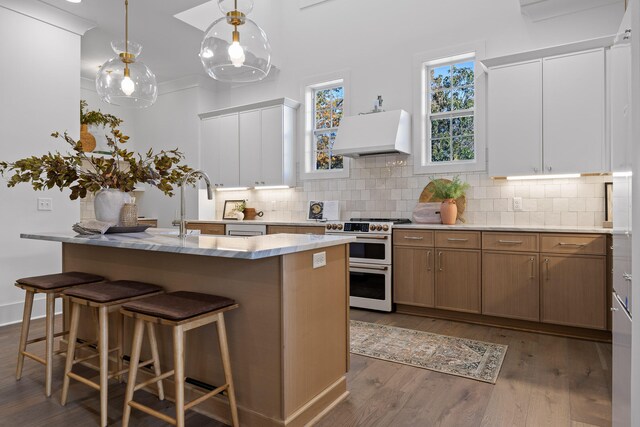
440, 77
463, 98
336, 116
463, 148
463, 74
322, 160
337, 97
337, 162
323, 119
323, 99
441, 101
322, 141
440, 128
462, 126
441, 150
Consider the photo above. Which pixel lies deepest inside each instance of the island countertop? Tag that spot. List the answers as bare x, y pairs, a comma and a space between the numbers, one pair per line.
167, 240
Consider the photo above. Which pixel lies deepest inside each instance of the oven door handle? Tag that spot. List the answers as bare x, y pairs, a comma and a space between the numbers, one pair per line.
372, 237
370, 267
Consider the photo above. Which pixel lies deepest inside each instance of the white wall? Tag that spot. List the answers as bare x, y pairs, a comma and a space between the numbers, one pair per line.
40, 91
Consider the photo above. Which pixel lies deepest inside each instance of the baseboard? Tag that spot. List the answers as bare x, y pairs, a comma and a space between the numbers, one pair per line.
12, 313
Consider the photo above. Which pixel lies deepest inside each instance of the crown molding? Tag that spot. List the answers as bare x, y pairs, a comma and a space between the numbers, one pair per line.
49, 15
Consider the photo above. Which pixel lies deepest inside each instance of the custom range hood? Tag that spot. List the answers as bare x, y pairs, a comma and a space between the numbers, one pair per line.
387, 132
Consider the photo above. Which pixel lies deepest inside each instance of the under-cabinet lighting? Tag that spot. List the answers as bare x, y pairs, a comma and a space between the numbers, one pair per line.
622, 174
272, 187
559, 176
74, 1
232, 189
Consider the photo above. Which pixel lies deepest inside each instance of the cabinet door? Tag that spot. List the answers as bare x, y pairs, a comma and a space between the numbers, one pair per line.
573, 291
209, 158
217, 229
250, 148
574, 113
413, 278
515, 119
229, 151
621, 363
272, 146
510, 286
620, 60
458, 278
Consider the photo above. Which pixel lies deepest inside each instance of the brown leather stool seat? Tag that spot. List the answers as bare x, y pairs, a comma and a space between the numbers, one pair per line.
106, 292
179, 305
59, 280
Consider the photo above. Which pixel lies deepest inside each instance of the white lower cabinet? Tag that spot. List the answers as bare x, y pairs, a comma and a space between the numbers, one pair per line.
621, 362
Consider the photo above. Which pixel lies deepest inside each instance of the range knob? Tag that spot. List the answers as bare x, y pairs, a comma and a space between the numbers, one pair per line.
328, 226
385, 227
334, 226
377, 227
339, 226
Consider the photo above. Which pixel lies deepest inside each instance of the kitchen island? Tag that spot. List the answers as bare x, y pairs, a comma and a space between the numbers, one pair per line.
289, 340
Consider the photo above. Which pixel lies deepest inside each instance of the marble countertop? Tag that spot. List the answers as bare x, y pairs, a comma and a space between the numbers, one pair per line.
260, 222
514, 228
167, 240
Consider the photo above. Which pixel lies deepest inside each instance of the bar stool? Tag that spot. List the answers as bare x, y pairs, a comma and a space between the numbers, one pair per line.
104, 298
182, 311
51, 285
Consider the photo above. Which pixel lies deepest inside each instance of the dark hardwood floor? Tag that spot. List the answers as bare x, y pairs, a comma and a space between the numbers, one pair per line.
544, 381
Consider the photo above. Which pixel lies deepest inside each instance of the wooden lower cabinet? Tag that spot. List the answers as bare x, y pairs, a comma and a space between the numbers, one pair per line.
510, 285
206, 228
413, 276
573, 290
149, 222
293, 229
458, 277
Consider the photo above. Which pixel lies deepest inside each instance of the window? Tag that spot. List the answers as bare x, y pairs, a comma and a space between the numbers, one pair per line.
449, 106
328, 105
450, 115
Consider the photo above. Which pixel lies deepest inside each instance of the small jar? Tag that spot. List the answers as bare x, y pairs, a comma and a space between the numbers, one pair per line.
129, 215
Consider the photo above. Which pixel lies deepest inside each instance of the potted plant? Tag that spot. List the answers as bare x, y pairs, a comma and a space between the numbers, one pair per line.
98, 118
111, 178
448, 192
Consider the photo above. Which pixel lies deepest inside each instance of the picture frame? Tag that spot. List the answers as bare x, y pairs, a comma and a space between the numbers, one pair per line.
229, 212
608, 201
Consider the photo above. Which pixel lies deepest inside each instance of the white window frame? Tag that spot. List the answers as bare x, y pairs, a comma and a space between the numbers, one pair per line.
307, 158
422, 129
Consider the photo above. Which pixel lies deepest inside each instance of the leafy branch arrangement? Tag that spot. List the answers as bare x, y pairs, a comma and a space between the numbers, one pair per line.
97, 117
84, 174
449, 190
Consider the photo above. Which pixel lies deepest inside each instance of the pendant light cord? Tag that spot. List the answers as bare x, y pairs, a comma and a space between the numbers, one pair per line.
126, 32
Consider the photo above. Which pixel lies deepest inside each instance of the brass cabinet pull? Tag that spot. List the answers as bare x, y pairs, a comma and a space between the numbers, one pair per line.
413, 238
580, 245
511, 242
455, 239
440, 268
428, 258
546, 262
533, 274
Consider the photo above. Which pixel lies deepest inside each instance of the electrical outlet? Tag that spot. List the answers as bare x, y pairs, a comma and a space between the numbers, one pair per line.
517, 203
319, 259
45, 204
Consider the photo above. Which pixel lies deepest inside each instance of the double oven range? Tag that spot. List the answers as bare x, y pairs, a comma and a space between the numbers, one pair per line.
370, 260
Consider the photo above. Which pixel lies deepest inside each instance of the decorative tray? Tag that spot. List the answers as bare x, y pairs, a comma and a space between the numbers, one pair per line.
134, 229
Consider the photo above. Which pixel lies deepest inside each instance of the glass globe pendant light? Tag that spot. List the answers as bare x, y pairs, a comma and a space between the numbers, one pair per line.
234, 48
123, 80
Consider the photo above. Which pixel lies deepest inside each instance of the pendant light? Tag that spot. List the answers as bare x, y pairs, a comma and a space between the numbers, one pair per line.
234, 48
123, 80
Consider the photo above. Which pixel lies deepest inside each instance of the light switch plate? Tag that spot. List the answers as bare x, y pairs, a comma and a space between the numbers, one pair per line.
319, 259
45, 204
517, 203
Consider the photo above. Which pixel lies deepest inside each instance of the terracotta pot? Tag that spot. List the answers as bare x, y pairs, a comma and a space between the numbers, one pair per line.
449, 211
87, 139
250, 213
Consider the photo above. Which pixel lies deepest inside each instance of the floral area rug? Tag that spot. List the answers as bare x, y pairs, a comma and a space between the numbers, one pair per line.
467, 358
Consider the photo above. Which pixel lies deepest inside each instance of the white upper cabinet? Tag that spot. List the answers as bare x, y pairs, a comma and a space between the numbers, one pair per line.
620, 98
515, 119
573, 108
250, 146
546, 115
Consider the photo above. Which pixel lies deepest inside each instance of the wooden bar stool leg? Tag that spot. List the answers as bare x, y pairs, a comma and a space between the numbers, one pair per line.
49, 321
136, 346
71, 349
24, 331
153, 343
103, 346
119, 344
226, 364
178, 365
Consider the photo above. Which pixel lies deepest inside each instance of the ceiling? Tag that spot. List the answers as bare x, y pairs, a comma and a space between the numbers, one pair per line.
170, 46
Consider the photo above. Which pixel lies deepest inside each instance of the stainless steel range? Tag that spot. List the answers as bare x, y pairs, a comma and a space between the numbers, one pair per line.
369, 260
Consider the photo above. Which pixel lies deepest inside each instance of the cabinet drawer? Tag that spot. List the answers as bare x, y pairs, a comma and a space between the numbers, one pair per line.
310, 229
413, 238
216, 229
151, 222
282, 229
512, 242
458, 239
591, 244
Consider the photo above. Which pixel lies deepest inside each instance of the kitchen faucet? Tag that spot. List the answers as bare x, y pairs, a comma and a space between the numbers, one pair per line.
185, 181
